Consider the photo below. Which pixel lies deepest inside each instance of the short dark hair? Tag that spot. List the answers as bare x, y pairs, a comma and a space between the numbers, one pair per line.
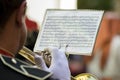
7, 7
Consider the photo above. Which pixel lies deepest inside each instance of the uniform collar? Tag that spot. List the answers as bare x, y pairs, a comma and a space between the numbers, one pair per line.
5, 52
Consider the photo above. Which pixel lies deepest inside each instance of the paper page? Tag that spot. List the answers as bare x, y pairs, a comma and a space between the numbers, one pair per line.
75, 28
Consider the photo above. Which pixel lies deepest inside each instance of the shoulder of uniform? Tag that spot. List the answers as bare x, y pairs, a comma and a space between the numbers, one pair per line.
25, 68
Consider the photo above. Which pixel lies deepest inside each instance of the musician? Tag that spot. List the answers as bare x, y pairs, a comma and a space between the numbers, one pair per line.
12, 38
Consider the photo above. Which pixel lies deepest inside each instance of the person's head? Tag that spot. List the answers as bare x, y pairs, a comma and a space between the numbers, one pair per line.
12, 28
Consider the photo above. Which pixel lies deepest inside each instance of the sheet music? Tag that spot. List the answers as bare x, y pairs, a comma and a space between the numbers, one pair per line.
75, 28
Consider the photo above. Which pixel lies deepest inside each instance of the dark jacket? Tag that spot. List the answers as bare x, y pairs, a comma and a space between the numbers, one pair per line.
13, 71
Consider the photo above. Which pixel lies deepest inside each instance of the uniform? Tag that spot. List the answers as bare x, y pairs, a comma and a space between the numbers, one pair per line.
15, 69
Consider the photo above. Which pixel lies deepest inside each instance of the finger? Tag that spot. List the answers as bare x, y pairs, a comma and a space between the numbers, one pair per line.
54, 52
40, 62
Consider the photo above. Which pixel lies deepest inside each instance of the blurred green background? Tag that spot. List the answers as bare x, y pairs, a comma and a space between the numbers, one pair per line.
95, 4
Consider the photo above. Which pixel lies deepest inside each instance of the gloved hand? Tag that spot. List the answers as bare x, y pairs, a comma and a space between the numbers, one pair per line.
59, 64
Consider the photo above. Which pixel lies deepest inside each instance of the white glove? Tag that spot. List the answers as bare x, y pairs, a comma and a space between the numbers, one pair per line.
59, 64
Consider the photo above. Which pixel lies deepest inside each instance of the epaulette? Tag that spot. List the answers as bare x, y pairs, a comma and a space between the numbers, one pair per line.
25, 68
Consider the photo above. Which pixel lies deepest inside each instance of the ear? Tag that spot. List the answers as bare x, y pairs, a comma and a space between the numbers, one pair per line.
20, 13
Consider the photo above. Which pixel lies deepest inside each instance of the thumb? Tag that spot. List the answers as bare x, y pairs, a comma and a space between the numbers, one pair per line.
54, 54
40, 62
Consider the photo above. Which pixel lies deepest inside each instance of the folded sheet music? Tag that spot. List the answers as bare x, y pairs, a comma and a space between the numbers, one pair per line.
75, 30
